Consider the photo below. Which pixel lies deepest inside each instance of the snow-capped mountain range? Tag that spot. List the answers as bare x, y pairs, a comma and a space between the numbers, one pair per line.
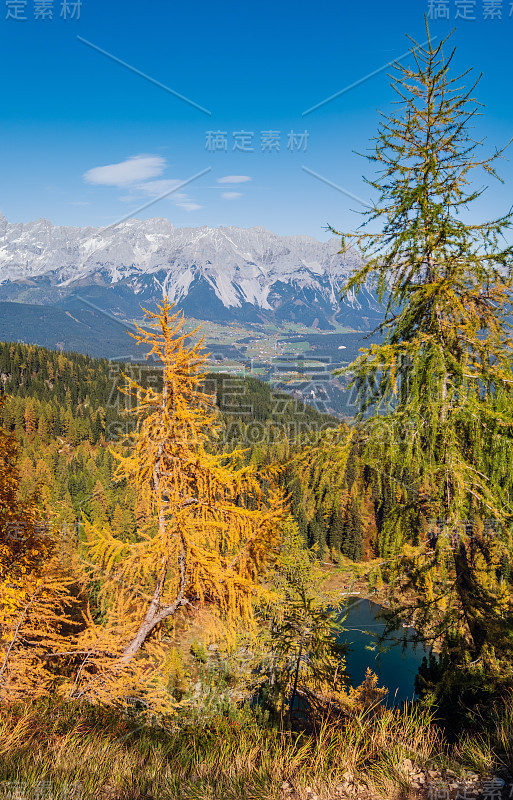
219, 274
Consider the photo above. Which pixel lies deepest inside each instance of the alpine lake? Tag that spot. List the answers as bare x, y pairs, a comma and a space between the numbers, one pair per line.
395, 663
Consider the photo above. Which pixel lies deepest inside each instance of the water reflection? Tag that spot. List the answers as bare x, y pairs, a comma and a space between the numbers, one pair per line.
396, 668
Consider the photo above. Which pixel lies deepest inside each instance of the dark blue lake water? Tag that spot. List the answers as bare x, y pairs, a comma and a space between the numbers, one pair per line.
395, 668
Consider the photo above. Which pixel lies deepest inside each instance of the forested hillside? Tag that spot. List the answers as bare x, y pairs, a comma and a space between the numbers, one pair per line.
67, 412
177, 547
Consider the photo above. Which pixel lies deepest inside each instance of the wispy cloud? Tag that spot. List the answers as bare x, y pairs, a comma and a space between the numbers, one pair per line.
231, 195
189, 206
133, 173
156, 188
234, 179
133, 170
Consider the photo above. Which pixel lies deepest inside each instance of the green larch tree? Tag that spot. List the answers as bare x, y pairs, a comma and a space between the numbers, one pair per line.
436, 395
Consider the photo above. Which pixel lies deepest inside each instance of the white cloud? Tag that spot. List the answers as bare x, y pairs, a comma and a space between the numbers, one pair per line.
133, 170
189, 206
234, 179
132, 175
231, 195
156, 188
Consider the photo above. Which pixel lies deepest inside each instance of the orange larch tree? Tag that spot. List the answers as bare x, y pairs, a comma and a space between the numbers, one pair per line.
206, 528
35, 596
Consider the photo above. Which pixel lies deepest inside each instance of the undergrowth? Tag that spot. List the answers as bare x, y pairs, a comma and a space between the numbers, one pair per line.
85, 751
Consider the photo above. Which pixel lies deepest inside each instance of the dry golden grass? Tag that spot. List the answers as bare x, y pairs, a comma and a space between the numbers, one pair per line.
117, 758
106, 756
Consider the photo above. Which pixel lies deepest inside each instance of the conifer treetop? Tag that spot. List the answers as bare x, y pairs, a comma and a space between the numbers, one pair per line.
426, 159
440, 384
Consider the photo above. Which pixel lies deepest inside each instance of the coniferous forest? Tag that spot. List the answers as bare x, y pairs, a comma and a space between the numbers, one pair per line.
177, 545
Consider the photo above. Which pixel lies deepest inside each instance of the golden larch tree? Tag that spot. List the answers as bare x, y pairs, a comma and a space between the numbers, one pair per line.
35, 598
206, 529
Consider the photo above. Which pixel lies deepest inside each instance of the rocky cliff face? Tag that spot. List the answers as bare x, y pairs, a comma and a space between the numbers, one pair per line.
212, 273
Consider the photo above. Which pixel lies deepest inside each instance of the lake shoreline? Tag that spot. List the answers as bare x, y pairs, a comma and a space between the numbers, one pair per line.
351, 578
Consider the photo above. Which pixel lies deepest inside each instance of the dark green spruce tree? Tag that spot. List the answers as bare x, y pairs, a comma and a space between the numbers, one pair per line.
336, 529
317, 532
352, 544
436, 396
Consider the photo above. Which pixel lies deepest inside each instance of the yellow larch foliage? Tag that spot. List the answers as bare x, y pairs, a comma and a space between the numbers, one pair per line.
34, 589
206, 530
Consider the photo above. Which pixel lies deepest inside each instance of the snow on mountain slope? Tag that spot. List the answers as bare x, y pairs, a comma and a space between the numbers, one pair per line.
246, 271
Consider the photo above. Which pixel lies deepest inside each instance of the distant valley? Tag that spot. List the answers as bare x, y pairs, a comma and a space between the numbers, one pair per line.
268, 304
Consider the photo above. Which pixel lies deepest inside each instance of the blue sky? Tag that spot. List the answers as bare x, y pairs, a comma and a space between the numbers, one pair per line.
86, 140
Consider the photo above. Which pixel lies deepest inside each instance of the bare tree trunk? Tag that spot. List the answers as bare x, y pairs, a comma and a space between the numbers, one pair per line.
296, 676
157, 613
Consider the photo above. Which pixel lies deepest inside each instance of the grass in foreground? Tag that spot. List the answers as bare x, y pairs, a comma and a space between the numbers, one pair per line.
113, 757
